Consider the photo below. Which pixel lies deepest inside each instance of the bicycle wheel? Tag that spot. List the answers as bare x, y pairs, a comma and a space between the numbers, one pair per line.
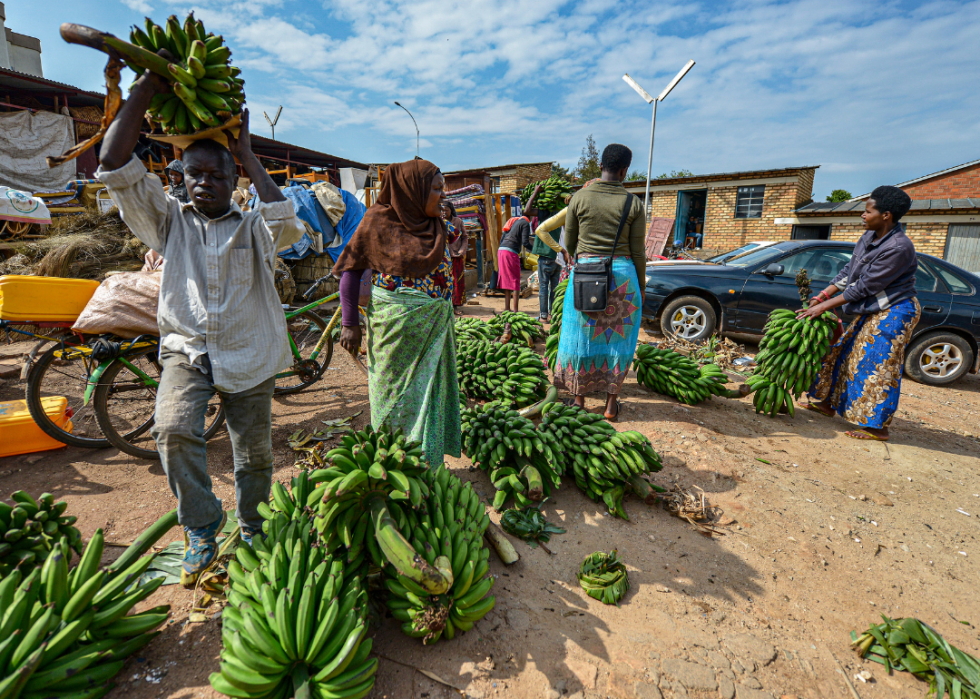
125, 403
305, 329
53, 376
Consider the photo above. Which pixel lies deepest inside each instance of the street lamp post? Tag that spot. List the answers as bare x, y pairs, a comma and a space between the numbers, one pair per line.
653, 123
416, 127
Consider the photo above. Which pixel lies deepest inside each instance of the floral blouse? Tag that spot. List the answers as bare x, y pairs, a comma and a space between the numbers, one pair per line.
438, 284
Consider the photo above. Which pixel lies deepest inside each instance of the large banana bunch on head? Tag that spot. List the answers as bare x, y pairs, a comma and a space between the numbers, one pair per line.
296, 620
791, 352
373, 479
554, 332
468, 329
506, 445
508, 373
451, 522
68, 633
603, 577
523, 327
206, 89
672, 374
552, 194
30, 528
606, 464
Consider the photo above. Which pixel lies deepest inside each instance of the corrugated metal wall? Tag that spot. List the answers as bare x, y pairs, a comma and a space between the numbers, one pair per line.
963, 246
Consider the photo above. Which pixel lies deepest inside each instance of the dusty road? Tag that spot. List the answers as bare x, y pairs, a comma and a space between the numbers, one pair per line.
826, 534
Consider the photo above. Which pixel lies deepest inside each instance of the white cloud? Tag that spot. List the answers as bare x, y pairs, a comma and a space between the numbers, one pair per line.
138, 5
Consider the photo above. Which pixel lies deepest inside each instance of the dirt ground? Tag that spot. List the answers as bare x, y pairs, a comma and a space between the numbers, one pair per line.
825, 534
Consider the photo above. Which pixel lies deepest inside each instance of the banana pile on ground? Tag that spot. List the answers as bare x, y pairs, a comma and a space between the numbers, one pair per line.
296, 620
606, 464
789, 360
473, 329
507, 446
603, 577
554, 332
30, 528
451, 522
508, 373
65, 634
552, 194
672, 374
206, 89
523, 328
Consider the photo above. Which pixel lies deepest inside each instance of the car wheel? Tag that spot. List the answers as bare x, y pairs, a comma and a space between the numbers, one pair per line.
938, 359
689, 318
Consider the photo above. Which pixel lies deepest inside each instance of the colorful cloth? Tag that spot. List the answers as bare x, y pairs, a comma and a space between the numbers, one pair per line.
459, 283
509, 264
596, 349
412, 354
862, 373
438, 284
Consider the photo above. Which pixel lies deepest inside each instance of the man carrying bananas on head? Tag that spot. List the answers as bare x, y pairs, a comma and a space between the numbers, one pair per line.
222, 328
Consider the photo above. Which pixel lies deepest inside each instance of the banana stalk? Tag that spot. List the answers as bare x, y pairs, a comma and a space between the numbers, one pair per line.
399, 552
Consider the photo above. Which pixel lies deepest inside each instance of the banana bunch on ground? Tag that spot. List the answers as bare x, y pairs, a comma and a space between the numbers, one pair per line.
450, 522
373, 479
672, 374
521, 465
606, 464
206, 89
552, 194
492, 371
522, 326
790, 357
296, 620
473, 329
30, 528
65, 634
554, 332
603, 577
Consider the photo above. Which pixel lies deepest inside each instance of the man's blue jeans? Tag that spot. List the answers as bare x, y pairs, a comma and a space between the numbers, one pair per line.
548, 273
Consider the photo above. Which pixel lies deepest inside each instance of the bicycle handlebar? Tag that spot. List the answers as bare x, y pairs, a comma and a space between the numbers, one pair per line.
314, 286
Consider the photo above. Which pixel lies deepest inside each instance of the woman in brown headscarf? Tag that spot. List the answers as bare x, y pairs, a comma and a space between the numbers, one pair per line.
411, 339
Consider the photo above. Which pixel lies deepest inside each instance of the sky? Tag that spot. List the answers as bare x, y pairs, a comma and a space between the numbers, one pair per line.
872, 92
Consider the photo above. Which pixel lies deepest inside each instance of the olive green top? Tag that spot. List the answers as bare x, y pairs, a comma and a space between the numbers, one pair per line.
593, 218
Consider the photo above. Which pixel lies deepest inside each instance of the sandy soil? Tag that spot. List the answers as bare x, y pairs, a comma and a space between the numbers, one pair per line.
826, 534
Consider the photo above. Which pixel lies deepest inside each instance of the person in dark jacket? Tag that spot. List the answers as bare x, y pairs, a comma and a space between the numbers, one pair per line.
175, 174
861, 377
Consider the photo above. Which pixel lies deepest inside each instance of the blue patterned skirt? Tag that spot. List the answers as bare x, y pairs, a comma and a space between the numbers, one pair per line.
595, 349
862, 374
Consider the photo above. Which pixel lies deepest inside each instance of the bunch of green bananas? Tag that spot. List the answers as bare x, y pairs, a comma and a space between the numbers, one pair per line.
207, 90
791, 352
470, 329
373, 478
30, 528
554, 332
451, 522
67, 634
672, 374
296, 620
552, 194
506, 445
603, 577
509, 373
606, 464
522, 326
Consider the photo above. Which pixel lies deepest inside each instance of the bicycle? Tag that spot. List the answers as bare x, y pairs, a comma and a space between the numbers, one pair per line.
314, 336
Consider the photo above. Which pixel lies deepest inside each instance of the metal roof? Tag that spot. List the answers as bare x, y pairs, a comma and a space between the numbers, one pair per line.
280, 150
15, 80
494, 167
927, 177
855, 207
742, 174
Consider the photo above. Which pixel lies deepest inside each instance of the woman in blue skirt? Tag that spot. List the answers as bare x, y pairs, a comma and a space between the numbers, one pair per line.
861, 377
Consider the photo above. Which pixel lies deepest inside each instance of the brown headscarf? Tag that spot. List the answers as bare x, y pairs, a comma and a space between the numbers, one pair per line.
395, 236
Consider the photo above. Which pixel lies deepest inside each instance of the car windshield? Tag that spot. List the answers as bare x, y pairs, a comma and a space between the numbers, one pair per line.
718, 259
754, 257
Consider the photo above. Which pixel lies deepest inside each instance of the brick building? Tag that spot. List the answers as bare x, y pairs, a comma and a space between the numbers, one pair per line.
731, 208
962, 181
512, 179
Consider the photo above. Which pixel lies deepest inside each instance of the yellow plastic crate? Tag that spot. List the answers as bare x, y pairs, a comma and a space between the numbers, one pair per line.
43, 299
19, 434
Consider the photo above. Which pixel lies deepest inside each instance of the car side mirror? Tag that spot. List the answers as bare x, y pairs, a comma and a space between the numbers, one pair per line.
773, 269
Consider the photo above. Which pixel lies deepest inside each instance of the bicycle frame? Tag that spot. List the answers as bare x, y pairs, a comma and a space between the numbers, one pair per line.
334, 319
95, 376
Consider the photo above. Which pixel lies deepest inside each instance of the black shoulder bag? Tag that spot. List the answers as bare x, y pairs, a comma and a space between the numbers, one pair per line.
590, 285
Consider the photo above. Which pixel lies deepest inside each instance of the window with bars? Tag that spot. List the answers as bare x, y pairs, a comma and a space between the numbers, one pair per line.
748, 201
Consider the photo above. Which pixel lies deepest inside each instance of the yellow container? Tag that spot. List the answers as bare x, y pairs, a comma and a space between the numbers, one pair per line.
43, 299
19, 434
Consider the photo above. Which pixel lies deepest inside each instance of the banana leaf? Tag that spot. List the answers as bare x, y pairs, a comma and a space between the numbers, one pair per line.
529, 524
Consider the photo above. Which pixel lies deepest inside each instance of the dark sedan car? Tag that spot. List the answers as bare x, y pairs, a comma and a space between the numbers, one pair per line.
693, 301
